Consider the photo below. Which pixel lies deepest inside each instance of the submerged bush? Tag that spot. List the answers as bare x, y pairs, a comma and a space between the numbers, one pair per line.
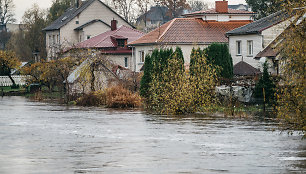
113, 97
119, 97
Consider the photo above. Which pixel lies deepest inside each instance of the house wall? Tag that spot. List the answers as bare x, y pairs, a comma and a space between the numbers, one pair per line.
186, 49
271, 33
257, 47
92, 31
52, 43
227, 17
69, 37
119, 60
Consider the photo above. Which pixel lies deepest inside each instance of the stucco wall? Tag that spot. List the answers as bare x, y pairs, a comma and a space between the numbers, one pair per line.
257, 47
52, 47
227, 17
271, 33
93, 30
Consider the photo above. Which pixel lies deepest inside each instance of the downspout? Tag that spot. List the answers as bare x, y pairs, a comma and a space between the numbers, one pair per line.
134, 60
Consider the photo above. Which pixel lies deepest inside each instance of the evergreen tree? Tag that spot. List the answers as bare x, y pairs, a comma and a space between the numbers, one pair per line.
146, 78
218, 55
267, 85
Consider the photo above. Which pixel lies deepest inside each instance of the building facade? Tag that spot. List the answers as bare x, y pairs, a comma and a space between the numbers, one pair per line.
82, 21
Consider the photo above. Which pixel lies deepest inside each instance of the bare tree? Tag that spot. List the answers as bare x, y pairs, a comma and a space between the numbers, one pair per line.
125, 8
197, 5
6, 12
144, 7
175, 6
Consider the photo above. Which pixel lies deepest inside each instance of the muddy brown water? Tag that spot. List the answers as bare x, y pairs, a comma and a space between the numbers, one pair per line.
38, 138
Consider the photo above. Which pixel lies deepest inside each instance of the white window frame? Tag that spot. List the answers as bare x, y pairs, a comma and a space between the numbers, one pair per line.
238, 48
141, 56
250, 47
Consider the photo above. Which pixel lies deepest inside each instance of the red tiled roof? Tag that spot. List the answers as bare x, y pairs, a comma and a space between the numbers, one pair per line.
105, 40
213, 11
190, 30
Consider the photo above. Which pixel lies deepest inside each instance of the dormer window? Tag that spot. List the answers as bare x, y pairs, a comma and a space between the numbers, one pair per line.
121, 42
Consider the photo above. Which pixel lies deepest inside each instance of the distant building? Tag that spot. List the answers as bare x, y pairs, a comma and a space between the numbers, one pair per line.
156, 16
222, 12
82, 21
239, 7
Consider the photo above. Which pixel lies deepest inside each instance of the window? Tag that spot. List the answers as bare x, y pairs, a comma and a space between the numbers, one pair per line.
250, 47
238, 45
53, 38
126, 64
50, 40
88, 36
141, 56
57, 39
121, 42
76, 22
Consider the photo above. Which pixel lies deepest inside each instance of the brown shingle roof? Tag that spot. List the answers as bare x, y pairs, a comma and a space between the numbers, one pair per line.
244, 69
189, 31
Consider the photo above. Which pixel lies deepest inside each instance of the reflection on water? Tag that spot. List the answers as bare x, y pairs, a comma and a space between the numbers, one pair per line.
49, 138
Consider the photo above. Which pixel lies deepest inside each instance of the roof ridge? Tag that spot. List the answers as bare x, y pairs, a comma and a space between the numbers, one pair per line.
165, 31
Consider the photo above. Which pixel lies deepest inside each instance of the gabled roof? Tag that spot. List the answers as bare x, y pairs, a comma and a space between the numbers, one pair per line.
261, 24
237, 6
71, 13
189, 31
91, 22
156, 13
105, 40
213, 11
244, 69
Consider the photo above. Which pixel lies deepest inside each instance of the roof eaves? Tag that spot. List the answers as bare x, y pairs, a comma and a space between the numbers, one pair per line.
90, 22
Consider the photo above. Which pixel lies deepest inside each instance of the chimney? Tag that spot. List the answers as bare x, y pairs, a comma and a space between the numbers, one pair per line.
222, 6
114, 25
78, 3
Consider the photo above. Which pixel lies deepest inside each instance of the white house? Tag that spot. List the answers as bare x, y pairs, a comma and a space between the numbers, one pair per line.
82, 21
198, 29
247, 41
222, 12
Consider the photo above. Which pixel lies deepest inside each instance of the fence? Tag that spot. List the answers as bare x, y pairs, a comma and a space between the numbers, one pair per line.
6, 81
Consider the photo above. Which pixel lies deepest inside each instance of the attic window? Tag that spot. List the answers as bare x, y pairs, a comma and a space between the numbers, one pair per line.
76, 22
120, 42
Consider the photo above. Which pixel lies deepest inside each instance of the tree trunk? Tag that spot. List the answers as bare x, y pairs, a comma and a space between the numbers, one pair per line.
13, 81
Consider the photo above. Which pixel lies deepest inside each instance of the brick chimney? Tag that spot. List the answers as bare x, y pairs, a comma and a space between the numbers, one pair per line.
114, 25
222, 6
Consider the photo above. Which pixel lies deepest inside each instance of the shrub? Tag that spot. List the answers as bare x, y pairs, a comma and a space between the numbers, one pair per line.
119, 97
113, 97
96, 98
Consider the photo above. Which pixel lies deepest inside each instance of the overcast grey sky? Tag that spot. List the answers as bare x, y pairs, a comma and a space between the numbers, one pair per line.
23, 5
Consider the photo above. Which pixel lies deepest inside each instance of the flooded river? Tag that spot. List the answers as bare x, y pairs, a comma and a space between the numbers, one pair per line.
38, 138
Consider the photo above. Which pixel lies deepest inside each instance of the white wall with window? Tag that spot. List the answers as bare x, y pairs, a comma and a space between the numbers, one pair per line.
245, 47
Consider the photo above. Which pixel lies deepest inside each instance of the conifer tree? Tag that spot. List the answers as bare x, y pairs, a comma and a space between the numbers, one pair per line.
265, 86
218, 54
146, 78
